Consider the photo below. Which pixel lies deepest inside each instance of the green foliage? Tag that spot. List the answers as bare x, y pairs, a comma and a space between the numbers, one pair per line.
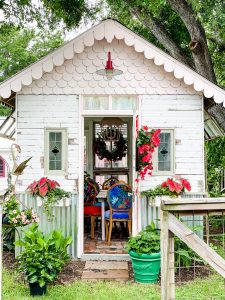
5, 111
158, 191
215, 164
52, 197
21, 47
146, 242
43, 255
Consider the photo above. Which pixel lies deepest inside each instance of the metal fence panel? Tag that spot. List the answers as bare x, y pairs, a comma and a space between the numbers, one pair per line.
65, 219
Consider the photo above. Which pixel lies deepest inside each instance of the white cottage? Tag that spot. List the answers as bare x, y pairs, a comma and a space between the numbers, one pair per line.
61, 100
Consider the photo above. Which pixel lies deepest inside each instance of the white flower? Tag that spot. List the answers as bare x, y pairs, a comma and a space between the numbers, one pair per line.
14, 211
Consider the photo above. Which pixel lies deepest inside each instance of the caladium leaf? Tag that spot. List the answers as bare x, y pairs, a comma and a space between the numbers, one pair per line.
43, 190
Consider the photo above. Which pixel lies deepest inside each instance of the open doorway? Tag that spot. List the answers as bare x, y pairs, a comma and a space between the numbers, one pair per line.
100, 173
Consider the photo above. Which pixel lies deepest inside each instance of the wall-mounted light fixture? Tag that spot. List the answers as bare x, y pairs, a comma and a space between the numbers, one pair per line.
109, 72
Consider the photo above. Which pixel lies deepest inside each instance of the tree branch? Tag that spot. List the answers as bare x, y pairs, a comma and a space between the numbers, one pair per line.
198, 44
162, 36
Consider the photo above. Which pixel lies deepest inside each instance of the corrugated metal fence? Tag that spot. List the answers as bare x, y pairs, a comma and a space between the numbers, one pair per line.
65, 218
150, 212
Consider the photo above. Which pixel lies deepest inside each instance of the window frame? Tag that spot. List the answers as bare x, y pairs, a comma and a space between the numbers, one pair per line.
2, 174
64, 168
156, 172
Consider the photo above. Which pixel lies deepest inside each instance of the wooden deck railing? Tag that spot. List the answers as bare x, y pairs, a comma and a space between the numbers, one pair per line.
171, 226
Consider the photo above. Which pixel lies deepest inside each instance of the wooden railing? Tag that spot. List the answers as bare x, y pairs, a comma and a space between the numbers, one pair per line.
171, 226
65, 218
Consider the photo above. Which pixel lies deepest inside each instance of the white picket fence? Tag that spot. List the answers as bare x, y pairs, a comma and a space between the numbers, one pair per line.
65, 219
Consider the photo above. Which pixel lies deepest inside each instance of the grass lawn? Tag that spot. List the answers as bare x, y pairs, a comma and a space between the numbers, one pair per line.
210, 288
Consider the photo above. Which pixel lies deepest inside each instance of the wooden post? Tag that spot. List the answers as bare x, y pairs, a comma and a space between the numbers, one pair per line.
2, 195
171, 291
167, 260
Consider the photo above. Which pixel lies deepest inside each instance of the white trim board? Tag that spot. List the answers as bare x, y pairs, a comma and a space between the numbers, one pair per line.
110, 29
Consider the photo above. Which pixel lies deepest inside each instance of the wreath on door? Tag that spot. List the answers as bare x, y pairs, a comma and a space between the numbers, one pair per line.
119, 149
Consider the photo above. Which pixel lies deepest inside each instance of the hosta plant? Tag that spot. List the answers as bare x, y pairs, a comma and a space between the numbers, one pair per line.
49, 191
43, 256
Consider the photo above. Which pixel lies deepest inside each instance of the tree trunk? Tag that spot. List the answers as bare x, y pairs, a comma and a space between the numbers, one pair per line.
198, 43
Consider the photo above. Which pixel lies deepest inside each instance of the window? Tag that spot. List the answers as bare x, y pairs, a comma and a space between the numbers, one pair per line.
110, 102
163, 159
2, 167
55, 151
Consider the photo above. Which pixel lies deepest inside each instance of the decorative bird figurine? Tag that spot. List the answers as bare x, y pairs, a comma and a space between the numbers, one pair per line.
14, 149
20, 168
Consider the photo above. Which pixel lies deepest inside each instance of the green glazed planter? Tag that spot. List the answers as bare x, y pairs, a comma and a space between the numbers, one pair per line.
145, 266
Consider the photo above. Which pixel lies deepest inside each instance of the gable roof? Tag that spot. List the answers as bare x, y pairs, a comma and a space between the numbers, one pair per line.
110, 29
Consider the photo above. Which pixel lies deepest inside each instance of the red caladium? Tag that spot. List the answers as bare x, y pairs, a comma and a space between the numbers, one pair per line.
176, 187
42, 186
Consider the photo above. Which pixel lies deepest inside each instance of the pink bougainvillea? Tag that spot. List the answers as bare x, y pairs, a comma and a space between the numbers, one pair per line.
147, 141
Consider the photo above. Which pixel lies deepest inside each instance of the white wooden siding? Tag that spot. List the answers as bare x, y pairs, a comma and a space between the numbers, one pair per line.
36, 113
78, 75
183, 113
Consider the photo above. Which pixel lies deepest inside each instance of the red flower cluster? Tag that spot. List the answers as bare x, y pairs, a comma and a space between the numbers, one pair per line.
175, 186
42, 186
147, 141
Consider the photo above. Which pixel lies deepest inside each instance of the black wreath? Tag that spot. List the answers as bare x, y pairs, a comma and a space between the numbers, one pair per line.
118, 152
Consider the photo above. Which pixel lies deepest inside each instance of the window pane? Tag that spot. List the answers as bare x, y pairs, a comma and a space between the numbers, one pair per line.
1, 167
164, 152
55, 150
123, 102
96, 103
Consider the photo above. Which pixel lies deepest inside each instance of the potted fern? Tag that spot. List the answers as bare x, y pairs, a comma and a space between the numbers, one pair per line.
144, 251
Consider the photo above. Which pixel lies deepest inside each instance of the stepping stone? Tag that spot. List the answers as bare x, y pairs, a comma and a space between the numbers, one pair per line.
121, 275
106, 265
106, 270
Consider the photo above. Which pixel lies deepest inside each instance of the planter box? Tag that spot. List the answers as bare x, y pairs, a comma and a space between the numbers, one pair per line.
65, 202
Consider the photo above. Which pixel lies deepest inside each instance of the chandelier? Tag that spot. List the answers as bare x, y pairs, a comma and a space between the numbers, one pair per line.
109, 70
111, 129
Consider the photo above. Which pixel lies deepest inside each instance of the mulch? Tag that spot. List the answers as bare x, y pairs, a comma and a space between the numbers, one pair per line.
72, 271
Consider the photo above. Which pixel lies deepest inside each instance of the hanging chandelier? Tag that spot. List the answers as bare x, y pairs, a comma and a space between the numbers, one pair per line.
109, 72
111, 129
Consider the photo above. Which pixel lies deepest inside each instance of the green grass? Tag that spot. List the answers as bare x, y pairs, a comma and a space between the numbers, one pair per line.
210, 288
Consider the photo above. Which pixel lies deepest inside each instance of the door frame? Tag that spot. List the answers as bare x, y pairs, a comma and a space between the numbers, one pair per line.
80, 210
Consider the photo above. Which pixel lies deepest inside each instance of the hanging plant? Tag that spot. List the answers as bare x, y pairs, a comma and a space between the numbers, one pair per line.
147, 141
119, 149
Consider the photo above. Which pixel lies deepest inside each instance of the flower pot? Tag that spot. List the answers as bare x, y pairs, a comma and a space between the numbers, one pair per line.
145, 266
36, 290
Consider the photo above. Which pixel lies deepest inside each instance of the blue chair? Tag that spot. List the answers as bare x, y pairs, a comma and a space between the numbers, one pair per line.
120, 207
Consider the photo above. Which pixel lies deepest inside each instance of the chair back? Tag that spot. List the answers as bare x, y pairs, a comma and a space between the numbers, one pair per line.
120, 196
109, 182
90, 193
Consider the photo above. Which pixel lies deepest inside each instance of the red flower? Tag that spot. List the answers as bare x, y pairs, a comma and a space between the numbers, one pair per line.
42, 181
170, 184
145, 128
185, 183
178, 187
43, 190
147, 157
164, 184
